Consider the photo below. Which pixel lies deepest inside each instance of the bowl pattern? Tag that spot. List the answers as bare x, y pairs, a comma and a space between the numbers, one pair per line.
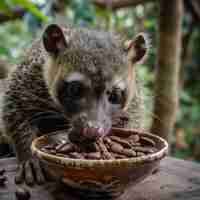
100, 178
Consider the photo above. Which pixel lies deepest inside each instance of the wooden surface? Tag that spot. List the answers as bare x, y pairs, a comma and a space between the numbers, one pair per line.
176, 180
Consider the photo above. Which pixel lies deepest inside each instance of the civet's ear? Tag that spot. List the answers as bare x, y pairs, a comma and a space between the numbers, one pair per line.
137, 49
53, 39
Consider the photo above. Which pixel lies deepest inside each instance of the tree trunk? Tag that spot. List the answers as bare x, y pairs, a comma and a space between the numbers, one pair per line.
168, 64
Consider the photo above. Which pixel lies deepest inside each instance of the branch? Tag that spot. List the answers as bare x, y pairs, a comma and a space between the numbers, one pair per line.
16, 13
116, 4
186, 52
196, 6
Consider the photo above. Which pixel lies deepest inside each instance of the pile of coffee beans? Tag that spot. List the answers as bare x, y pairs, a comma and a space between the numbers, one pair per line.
108, 147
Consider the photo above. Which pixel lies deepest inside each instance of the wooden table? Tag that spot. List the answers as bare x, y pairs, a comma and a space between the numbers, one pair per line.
176, 180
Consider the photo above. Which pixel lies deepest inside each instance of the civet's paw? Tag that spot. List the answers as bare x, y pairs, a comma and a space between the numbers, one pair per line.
30, 172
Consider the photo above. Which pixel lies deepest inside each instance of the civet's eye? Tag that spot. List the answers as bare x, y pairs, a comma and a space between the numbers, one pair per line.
115, 96
74, 90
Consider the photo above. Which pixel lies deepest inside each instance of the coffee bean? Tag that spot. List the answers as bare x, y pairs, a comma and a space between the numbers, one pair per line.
134, 138
140, 154
93, 155
147, 141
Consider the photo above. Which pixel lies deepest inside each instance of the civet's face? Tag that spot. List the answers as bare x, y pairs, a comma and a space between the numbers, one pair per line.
88, 103
91, 84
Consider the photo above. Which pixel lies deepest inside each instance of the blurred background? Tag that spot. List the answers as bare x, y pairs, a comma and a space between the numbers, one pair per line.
170, 75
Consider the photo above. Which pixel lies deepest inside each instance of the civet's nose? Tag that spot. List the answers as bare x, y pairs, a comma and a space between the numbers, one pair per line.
94, 130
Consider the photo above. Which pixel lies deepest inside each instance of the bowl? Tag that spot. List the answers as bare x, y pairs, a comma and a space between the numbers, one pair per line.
95, 179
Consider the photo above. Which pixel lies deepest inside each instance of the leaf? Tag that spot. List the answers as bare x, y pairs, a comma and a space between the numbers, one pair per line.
148, 23
186, 97
31, 7
4, 51
4, 7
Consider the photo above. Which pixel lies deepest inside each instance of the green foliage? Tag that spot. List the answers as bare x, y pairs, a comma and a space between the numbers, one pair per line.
189, 113
6, 5
31, 8
84, 12
14, 38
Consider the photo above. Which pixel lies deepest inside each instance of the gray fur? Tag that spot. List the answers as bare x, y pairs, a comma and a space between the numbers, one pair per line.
27, 92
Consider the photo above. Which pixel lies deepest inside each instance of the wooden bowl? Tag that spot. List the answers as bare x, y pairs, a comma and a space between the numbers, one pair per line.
100, 178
